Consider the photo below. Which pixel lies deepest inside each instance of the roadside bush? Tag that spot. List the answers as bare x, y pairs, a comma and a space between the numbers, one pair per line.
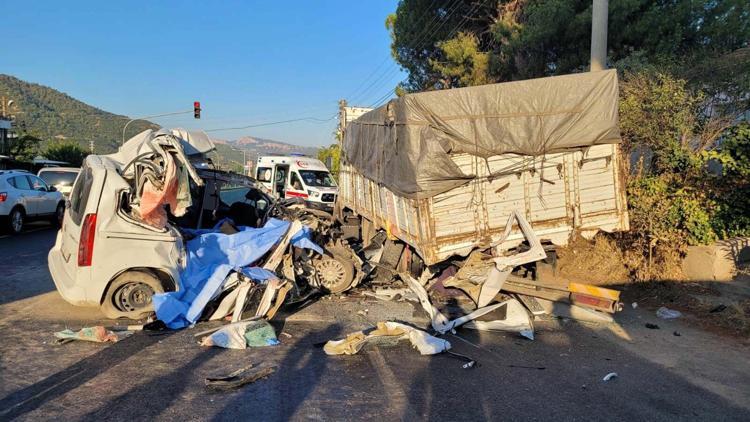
674, 200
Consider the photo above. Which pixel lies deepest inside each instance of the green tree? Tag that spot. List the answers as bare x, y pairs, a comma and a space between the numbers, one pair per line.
533, 38
67, 151
24, 147
332, 153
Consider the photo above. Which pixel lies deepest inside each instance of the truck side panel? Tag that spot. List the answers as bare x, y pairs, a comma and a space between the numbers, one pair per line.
557, 194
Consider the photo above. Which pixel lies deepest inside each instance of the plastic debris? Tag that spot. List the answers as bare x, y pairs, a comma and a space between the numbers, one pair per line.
634, 305
97, 334
240, 335
610, 376
388, 333
651, 326
666, 313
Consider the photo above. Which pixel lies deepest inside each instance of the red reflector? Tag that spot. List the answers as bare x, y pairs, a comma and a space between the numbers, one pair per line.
86, 242
3, 196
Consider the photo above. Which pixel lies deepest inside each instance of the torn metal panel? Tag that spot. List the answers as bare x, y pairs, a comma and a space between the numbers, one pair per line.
442, 324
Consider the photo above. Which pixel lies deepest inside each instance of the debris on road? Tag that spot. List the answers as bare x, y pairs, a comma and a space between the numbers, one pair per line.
97, 334
243, 334
237, 379
651, 326
666, 313
610, 376
387, 333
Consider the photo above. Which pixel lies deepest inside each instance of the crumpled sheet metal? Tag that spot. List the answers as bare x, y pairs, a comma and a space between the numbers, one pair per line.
210, 258
514, 321
406, 145
389, 333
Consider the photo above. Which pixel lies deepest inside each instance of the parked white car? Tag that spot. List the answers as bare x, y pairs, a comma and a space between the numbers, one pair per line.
25, 197
62, 178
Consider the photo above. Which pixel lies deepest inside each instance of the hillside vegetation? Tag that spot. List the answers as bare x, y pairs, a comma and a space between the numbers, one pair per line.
51, 115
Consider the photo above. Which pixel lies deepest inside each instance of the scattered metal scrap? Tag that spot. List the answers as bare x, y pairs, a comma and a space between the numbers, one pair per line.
240, 377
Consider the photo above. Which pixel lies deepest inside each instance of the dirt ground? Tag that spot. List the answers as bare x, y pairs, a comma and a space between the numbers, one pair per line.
721, 307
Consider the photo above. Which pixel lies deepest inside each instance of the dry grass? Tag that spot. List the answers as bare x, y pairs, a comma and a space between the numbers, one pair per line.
599, 261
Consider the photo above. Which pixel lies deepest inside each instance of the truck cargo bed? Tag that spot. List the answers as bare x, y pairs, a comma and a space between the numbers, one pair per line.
558, 193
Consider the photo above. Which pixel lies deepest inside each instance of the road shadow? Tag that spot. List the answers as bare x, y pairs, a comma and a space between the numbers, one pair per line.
36, 395
24, 261
558, 375
297, 375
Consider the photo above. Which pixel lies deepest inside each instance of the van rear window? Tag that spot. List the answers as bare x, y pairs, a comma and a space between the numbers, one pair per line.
80, 195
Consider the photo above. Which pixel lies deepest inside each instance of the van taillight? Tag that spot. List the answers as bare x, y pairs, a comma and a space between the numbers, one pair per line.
3, 196
86, 242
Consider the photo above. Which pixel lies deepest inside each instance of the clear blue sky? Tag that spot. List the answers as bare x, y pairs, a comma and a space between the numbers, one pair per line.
246, 61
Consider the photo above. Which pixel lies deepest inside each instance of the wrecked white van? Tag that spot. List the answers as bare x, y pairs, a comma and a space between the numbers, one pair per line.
122, 238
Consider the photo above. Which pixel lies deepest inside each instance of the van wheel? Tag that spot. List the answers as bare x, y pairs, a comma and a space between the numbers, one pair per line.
130, 295
57, 219
16, 220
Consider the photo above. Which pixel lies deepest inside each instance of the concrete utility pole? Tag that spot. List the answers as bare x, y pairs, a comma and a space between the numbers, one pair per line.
599, 18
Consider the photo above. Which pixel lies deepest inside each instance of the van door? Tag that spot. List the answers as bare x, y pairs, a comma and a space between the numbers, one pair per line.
281, 175
296, 188
264, 175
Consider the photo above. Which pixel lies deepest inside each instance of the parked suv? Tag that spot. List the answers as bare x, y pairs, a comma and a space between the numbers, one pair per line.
25, 197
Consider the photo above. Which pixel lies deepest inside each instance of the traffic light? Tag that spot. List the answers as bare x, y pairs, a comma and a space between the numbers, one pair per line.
197, 109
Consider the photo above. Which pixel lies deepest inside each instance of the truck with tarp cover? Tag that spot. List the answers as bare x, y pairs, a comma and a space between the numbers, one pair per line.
442, 171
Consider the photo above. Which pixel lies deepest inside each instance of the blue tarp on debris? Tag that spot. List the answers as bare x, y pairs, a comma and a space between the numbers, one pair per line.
210, 258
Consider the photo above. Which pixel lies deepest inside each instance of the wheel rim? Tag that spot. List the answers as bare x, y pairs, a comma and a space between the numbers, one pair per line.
17, 221
331, 273
133, 297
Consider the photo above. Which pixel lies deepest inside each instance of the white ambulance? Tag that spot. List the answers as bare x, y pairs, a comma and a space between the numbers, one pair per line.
298, 176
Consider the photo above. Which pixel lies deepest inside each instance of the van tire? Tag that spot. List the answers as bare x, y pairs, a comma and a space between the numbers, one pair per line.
130, 295
12, 225
57, 219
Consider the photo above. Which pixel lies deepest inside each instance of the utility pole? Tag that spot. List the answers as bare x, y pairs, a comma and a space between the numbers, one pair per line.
599, 18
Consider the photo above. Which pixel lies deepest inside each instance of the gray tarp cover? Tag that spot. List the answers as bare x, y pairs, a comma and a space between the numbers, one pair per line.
406, 144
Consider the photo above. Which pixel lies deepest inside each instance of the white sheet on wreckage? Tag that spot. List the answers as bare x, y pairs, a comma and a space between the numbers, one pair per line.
516, 319
211, 257
192, 143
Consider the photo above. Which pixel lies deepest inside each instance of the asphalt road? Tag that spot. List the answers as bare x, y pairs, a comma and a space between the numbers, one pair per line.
696, 376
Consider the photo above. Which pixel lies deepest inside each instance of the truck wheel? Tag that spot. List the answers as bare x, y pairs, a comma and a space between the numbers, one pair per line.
334, 273
130, 294
16, 220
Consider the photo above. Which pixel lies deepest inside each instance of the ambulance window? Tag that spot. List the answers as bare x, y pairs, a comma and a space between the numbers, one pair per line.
264, 174
295, 182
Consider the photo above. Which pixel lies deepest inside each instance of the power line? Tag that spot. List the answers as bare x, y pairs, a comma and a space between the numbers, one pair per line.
425, 36
431, 28
310, 119
458, 27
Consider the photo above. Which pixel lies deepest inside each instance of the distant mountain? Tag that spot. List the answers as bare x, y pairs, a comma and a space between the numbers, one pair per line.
50, 114
259, 146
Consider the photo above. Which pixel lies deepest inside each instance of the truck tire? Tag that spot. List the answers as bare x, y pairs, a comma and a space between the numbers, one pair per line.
129, 295
334, 272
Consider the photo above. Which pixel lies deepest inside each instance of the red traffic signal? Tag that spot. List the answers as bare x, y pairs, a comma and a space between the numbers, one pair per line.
197, 109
